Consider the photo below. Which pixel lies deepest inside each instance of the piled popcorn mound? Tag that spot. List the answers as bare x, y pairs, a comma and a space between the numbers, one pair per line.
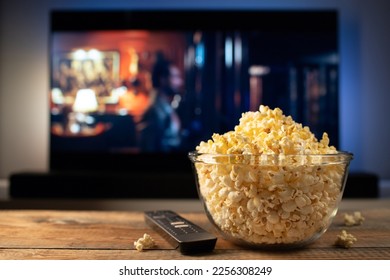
267, 182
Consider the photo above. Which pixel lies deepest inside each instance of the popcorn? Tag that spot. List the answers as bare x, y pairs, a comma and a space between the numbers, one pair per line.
270, 132
345, 239
268, 191
145, 242
353, 219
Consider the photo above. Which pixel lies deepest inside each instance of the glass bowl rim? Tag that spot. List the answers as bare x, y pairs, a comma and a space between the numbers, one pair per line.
341, 156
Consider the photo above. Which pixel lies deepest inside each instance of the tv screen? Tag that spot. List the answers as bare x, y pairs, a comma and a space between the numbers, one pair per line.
132, 92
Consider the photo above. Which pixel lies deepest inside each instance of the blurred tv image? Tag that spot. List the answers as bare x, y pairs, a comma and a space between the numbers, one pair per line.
161, 87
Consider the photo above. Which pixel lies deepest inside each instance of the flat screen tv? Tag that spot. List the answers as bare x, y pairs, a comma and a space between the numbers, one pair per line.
133, 91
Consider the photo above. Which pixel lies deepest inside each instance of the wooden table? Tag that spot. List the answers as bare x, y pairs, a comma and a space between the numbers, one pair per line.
56, 234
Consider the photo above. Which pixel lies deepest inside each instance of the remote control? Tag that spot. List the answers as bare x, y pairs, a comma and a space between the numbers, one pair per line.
181, 233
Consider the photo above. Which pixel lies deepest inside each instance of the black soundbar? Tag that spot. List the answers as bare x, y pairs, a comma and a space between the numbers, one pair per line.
102, 185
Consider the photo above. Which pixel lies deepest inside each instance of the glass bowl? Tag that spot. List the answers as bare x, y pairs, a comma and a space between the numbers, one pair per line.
271, 201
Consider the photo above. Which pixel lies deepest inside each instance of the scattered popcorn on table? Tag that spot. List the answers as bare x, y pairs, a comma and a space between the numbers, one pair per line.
145, 242
345, 240
270, 201
353, 219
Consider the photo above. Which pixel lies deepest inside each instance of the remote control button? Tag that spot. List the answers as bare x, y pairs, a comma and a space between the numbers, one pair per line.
181, 226
177, 223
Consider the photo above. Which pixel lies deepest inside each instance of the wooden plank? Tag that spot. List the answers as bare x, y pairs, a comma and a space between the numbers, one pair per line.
118, 230
72, 229
218, 254
38, 234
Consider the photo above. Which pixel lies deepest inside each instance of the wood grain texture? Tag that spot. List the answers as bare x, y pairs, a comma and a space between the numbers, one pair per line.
45, 234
